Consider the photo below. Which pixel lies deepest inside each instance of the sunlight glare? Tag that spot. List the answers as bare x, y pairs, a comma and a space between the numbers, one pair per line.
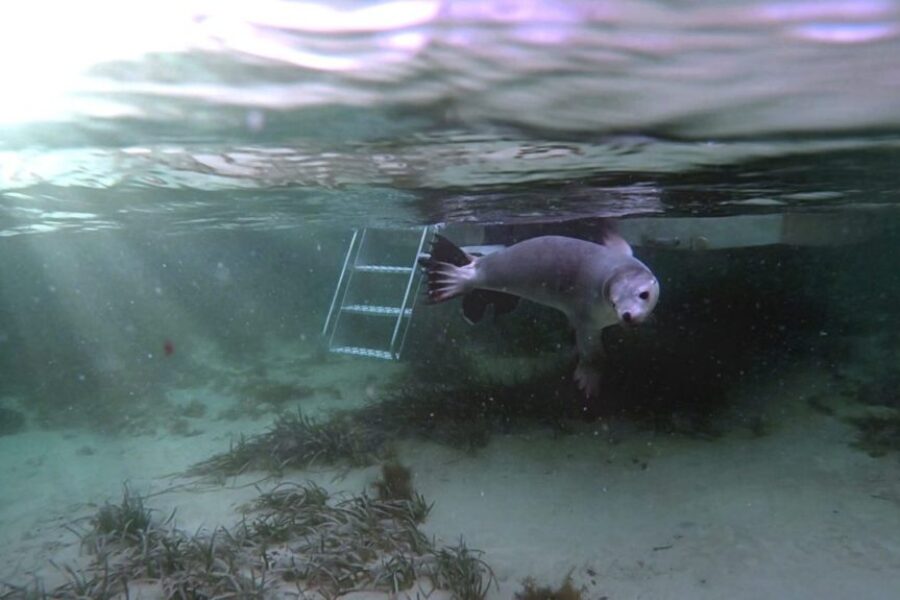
47, 48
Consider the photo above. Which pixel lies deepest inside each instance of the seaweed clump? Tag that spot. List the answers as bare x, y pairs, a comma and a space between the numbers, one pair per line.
259, 396
294, 540
883, 391
127, 544
395, 485
297, 441
461, 415
343, 544
395, 482
532, 591
879, 426
11, 421
466, 414
128, 521
878, 433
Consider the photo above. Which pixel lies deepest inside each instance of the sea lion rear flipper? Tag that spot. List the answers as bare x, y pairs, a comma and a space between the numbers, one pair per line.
448, 270
475, 304
443, 250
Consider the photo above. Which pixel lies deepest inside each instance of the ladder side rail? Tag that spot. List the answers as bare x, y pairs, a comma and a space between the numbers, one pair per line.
409, 284
409, 320
337, 318
415, 295
340, 282
430, 229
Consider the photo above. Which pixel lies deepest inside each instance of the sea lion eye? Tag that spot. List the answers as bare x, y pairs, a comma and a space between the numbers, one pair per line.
645, 295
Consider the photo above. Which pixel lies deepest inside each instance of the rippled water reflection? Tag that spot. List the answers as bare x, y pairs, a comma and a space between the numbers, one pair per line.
456, 101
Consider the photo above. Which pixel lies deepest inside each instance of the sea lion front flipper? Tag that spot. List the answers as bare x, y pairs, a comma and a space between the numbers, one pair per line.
587, 376
475, 304
588, 339
590, 350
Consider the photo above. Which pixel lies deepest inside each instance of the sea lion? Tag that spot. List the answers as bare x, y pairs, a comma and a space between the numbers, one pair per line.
594, 285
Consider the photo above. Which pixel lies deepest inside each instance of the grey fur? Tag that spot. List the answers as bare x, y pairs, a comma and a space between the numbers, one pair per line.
594, 285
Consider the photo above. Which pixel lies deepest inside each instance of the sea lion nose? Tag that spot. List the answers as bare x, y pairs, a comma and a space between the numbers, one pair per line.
626, 316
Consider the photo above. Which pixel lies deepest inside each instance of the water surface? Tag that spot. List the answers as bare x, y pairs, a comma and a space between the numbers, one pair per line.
179, 183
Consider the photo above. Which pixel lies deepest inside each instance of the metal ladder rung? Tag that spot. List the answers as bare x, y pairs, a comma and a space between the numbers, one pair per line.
359, 259
357, 351
381, 311
383, 269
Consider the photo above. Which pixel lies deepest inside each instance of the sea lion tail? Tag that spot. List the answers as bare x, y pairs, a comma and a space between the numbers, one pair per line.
447, 270
445, 251
449, 275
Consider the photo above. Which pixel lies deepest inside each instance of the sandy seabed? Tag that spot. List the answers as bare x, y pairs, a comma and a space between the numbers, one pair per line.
795, 512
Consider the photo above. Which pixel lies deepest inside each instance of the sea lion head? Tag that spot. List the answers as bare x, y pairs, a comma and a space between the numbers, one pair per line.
633, 294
